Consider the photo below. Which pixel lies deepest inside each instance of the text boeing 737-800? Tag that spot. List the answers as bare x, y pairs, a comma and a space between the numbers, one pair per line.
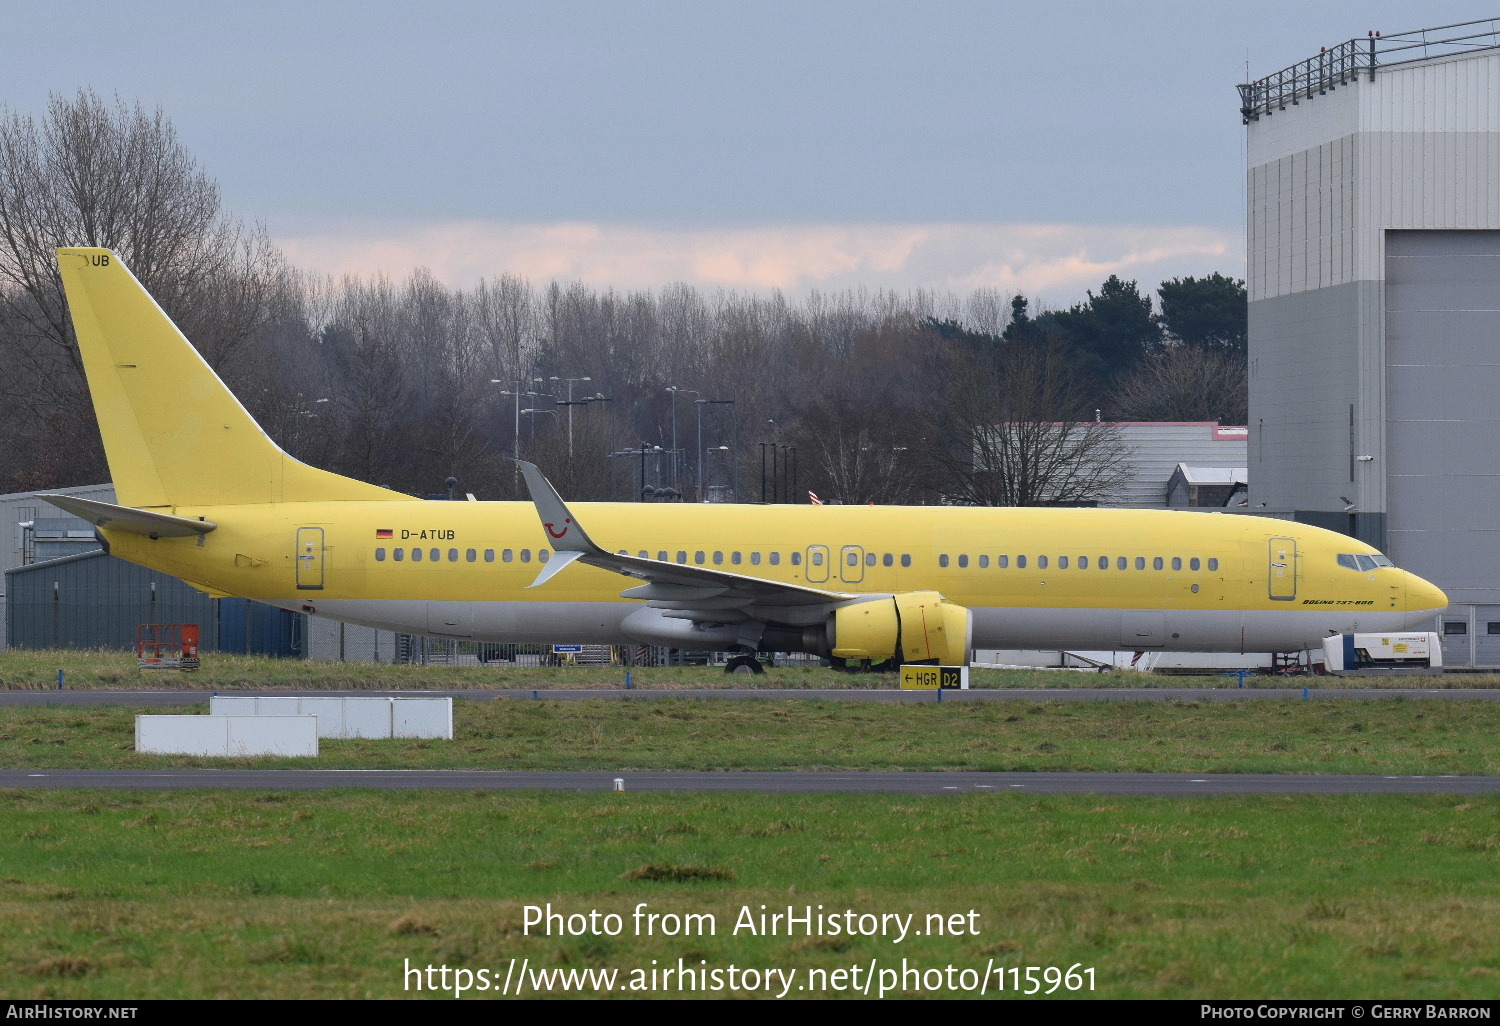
206, 496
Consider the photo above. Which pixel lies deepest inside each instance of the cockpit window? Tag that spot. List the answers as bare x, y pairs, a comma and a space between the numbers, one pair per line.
1362, 562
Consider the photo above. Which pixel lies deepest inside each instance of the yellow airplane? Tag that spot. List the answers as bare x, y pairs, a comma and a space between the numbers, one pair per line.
207, 496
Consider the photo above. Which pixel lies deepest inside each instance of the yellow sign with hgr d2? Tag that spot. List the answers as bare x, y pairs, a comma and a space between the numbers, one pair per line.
930, 678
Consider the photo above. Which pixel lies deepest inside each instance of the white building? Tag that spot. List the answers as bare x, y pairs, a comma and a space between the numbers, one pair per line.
1374, 285
1157, 447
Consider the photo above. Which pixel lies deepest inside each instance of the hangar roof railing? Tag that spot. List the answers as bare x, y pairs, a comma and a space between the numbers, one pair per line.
1350, 60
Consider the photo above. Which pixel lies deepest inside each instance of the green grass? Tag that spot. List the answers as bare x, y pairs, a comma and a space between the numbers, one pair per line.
1405, 736
323, 895
29, 669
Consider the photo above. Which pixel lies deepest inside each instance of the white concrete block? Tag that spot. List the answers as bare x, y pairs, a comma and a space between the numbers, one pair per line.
277, 706
182, 735
222, 736
367, 718
284, 736
422, 718
235, 705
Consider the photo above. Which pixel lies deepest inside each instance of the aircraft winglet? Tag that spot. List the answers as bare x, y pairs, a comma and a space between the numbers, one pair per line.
569, 540
564, 531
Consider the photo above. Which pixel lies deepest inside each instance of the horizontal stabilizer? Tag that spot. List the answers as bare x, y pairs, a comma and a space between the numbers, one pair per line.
126, 518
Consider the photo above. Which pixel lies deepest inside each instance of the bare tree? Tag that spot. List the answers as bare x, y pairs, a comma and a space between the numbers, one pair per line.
1027, 436
96, 174
1180, 382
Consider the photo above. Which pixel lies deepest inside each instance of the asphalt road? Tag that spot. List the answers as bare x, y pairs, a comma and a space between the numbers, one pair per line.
113, 696
800, 782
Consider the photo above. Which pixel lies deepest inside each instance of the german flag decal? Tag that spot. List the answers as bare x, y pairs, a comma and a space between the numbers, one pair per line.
381, 532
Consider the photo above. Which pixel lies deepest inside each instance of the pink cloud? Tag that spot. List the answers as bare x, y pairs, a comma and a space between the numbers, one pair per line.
1058, 261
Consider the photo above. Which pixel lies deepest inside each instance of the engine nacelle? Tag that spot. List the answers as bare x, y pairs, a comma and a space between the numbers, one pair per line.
913, 627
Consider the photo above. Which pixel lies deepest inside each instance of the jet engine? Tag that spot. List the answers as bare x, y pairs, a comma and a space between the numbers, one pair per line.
913, 627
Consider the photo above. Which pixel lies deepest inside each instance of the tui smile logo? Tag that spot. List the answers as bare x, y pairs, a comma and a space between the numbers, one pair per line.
558, 534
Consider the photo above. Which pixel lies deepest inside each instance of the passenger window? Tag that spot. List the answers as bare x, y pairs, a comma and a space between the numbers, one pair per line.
1156, 564
755, 559
1213, 563
526, 555
1062, 562
817, 559
869, 559
434, 554
1083, 562
1002, 561
1021, 562
489, 555
1140, 562
1103, 562
905, 559
507, 555
718, 559
984, 562
775, 558
453, 555
416, 555
796, 559
542, 555
1176, 562
399, 555
681, 556
698, 557
943, 559
888, 560
472, 556
1120, 563
1193, 564
852, 558
1041, 562
963, 561
661, 557
734, 557
380, 555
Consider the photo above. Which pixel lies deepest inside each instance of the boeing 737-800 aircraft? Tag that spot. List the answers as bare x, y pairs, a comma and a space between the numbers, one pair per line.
205, 495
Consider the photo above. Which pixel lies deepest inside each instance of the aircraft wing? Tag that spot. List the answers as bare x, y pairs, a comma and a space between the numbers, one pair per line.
697, 593
127, 518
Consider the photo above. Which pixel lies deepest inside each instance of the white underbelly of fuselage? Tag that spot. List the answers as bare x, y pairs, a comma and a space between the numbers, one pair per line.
600, 623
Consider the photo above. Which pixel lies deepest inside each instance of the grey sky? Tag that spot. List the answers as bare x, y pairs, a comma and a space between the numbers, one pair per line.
368, 123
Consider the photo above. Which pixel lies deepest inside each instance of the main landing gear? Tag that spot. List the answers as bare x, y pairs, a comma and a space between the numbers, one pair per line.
744, 664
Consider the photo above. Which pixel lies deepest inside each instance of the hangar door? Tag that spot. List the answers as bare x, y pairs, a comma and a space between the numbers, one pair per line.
1442, 309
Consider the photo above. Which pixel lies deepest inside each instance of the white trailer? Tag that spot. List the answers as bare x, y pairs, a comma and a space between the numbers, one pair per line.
1348, 654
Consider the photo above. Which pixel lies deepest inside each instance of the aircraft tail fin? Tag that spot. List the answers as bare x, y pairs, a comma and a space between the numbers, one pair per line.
173, 433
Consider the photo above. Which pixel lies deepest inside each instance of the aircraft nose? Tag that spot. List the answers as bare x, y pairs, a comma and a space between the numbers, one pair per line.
1424, 600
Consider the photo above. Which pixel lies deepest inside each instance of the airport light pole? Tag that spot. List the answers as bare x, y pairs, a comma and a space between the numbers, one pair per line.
516, 395
533, 423
675, 451
569, 404
700, 403
585, 402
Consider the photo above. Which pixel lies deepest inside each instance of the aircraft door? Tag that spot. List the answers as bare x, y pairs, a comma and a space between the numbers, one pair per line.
1283, 569
817, 564
852, 564
310, 558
